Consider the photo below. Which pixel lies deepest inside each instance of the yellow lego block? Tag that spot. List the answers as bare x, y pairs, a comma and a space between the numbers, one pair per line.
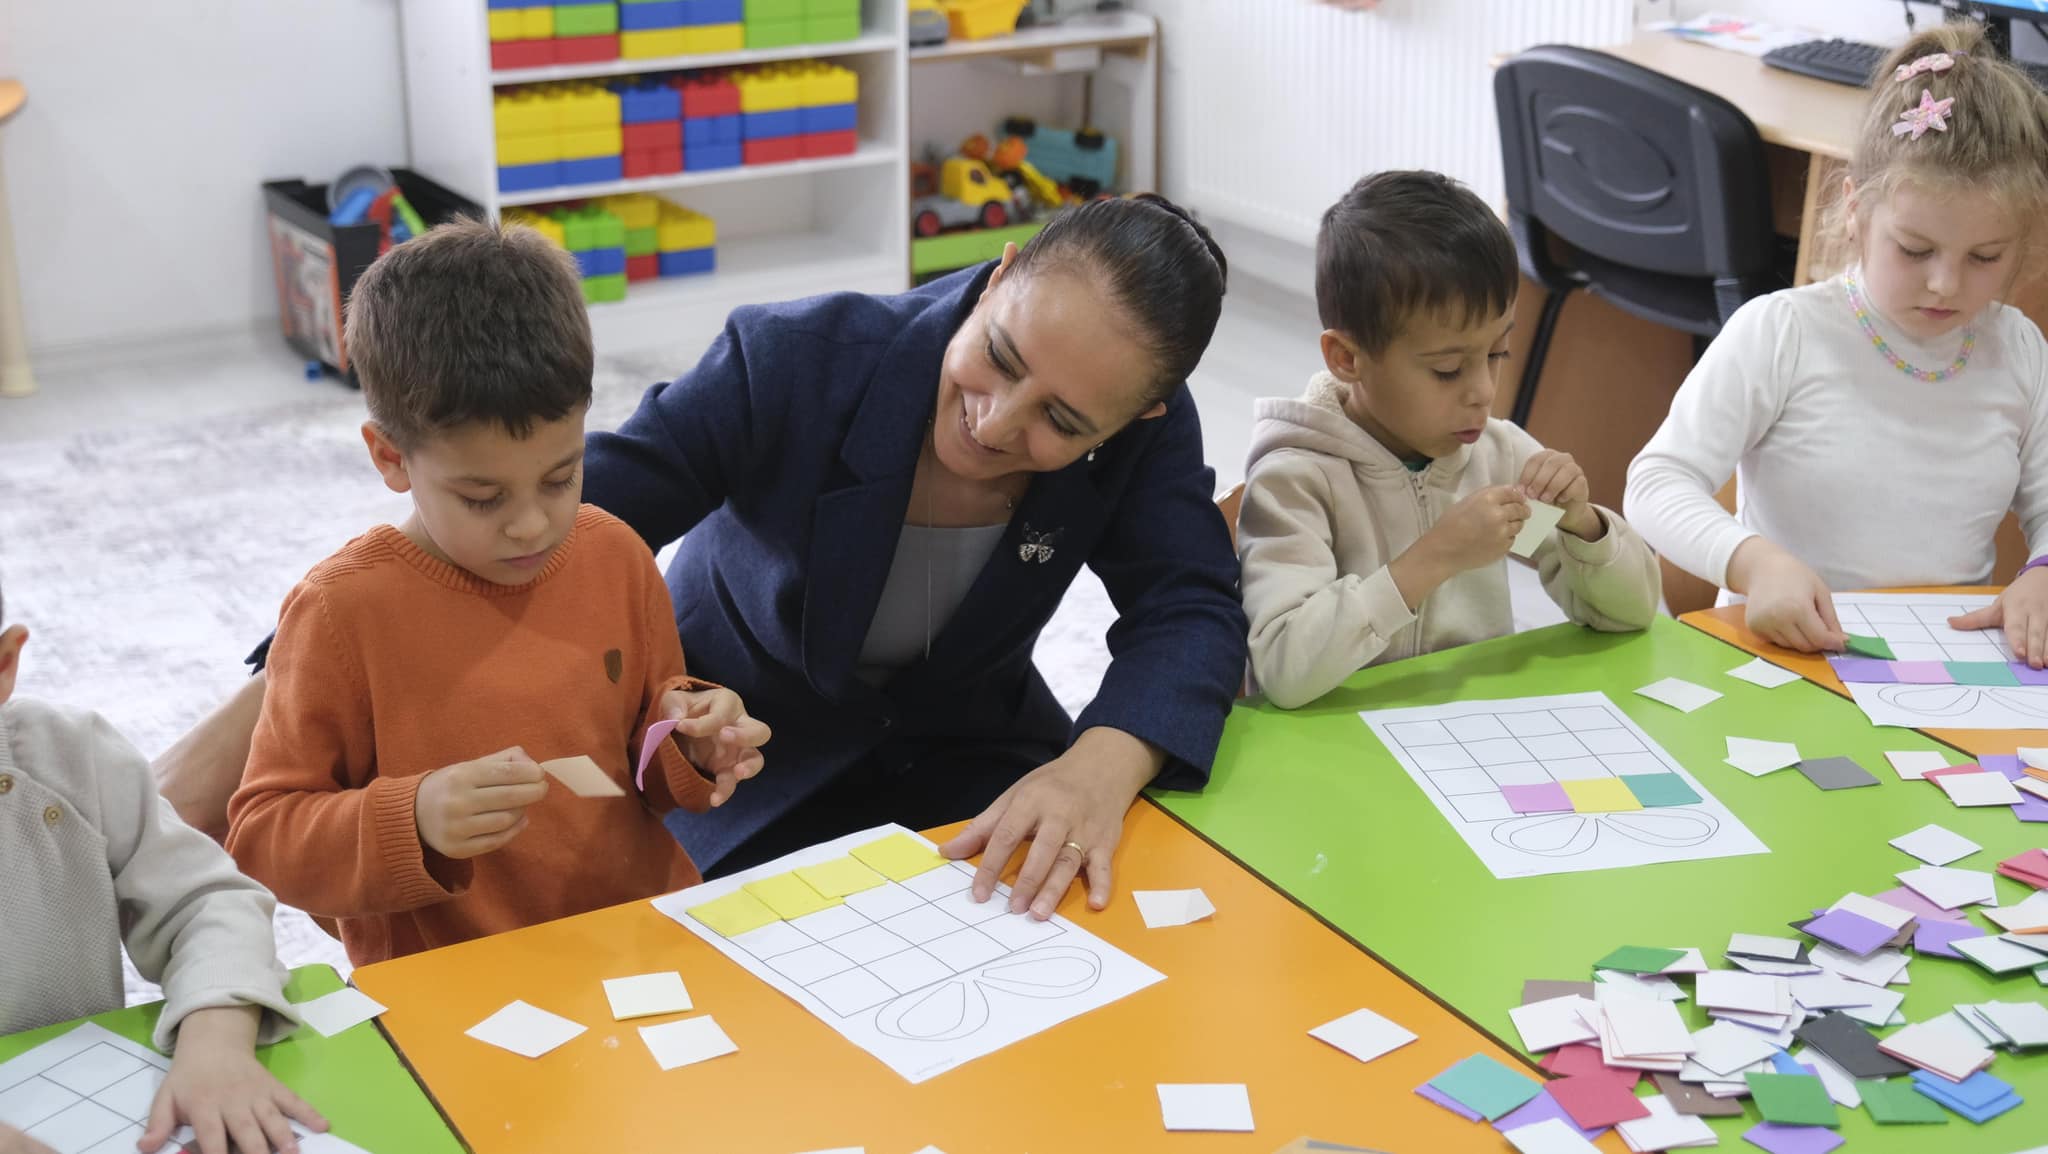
585, 105
529, 149
734, 914
536, 23
648, 43
525, 112
1600, 795
899, 856
540, 224
788, 895
635, 210
823, 83
839, 877
584, 143
681, 229
705, 38
506, 24
769, 88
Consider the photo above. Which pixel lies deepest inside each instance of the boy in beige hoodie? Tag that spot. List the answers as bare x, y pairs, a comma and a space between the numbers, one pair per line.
1379, 508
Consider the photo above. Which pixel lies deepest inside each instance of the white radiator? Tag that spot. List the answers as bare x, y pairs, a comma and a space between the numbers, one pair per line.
1273, 107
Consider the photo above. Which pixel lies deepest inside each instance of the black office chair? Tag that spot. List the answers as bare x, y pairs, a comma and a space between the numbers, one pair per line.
1645, 190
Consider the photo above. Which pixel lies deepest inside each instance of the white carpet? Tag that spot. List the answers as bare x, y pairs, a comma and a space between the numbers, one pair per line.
146, 561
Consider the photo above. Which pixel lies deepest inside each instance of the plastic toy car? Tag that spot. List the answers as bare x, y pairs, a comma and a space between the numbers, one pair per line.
927, 23
969, 194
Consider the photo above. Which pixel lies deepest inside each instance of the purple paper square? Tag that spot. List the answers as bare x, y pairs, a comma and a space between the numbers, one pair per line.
1447, 1102
1538, 1109
2031, 808
1863, 670
1792, 1139
2007, 764
1920, 907
1921, 673
1543, 797
2027, 674
1852, 932
1934, 937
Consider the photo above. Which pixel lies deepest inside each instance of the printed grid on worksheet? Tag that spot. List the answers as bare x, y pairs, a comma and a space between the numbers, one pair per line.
1468, 759
894, 939
94, 1102
1921, 632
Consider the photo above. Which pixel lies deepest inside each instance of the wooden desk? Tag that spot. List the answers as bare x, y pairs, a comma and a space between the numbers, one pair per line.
1316, 804
1727, 623
1240, 994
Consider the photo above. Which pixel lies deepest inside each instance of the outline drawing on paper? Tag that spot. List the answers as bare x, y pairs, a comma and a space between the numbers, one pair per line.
1543, 785
958, 1007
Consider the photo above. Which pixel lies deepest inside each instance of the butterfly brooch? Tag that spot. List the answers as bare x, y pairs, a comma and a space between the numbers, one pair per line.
1037, 546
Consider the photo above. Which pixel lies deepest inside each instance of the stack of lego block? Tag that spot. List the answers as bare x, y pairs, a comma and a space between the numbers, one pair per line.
656, 28
686, 241
640, 213
556, 134
536, 33
796, 109
711, 120
596, 237
780, 23
651, 116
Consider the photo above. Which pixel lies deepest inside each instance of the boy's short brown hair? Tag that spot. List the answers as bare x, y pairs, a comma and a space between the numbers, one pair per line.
471, 322
1402, 243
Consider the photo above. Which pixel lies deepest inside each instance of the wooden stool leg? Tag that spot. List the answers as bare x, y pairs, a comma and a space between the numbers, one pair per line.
15, 378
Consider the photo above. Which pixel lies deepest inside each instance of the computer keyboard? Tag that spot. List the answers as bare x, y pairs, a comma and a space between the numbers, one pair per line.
1853, 62
1840, 61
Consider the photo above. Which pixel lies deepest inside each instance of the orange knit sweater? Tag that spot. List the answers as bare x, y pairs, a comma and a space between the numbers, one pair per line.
389, 664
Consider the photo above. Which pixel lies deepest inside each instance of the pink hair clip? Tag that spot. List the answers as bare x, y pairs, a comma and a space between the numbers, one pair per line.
1933, 62
1928, 114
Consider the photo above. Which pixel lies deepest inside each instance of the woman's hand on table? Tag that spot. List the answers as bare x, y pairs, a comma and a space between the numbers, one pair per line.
2022, 610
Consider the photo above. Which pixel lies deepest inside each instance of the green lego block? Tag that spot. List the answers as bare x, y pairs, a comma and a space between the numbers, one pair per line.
817, 9
643, 241
607, 230
604, 288
576, 229
831, 29
776, 35
772, 11
586, 20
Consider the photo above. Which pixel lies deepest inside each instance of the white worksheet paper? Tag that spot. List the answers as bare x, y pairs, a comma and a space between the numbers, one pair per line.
1916, 627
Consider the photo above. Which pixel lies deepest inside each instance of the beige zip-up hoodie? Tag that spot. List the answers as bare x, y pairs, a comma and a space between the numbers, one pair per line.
1326, 507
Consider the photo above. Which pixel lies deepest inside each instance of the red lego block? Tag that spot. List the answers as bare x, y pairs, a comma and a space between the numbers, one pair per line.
639, 268
772, 151
653, 136
522, 53
585, 49
830, 143
708, 94
653, 162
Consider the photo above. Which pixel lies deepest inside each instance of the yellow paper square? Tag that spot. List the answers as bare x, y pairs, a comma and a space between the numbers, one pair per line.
899, 856
789, 895
734, 914
1600, 795
839, 877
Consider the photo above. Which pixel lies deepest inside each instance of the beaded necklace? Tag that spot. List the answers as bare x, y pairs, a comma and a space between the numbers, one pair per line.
1868, 324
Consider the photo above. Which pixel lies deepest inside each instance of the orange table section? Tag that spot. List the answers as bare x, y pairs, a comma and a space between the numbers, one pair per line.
1726, 623
1242, 990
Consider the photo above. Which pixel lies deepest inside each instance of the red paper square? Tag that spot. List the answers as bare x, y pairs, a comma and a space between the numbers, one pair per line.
1596, 1102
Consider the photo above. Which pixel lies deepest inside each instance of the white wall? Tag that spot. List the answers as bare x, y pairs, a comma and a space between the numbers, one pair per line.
133, 171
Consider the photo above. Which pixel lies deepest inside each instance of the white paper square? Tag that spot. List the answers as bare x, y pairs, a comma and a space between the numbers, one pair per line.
1761, 672
644, 995
1679, 694
1969, 789
1691, 963
1911, 764
1363, 1034
1828, 992
1725, 1047
1776, 968
1948, 887
1554, 1022
2034, 755
1543, 517
1880, 1010
2026, 1023
1164, 908
1761, 946
1935, 845
1936, 1050
1889, 916
1550, 1136
1646, 1027
1733, 990
1665, 1128
1840, 1083
1757, 758
1877, 969
1996, 954
1206, 1106
686, 1042
341, 1010
2026, 917
526, 1030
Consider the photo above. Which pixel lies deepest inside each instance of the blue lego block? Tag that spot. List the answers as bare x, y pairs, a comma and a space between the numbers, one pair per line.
711, 130
829, 117
770, 125
697, 13
601, 261
527, 177
593, 170
650, 15
688, 261
709, 156
647, 101
520, 4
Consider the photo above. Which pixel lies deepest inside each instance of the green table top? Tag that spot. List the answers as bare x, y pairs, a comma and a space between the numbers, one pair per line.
355, 1078
1313, 802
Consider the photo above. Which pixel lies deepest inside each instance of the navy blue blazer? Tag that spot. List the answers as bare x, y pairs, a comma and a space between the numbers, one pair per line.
785, 459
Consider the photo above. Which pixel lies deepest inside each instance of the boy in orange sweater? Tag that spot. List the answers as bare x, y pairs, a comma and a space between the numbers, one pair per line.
502, 613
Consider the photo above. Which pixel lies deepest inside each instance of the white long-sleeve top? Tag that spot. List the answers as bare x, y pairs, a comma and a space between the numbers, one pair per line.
1870, 476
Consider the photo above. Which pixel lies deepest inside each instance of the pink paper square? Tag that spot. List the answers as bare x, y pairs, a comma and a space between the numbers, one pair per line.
1922, 673
1547, 797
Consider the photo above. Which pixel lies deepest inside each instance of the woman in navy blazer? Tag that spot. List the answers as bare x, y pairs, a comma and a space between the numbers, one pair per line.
1045, 393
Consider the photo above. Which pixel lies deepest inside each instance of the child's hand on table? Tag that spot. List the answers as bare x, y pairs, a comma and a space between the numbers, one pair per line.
1789, 605
13, 1141
217, 1087
2023, 611
473, 807
1556, 479
718, 737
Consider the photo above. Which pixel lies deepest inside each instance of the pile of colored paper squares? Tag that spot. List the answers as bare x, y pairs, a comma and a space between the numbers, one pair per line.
581, 132
623, 239
538, 33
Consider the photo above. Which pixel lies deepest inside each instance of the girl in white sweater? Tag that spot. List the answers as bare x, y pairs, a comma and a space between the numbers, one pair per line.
1880, 424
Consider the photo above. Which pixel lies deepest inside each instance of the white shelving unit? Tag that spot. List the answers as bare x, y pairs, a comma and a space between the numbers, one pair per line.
784, 230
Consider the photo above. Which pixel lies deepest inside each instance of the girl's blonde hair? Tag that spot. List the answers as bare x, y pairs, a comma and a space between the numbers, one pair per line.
1997, 138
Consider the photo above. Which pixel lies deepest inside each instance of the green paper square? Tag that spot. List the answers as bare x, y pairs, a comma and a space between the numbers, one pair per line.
1639, 959
1891, 1103
1870, 647
1486, 1087
1982, 673
1793, 1100
1655, 789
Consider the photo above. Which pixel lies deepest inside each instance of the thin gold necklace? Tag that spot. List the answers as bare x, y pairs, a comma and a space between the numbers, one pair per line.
931, 484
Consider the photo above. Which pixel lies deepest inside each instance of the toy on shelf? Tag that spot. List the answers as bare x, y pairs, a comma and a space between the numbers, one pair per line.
970, 195
797, 109
654, 28
927, 23
711, 120
1083, 162
624, 240
685, 241
555, 134
535, 33
1008, 159
981, 19
651, 127
781, 23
